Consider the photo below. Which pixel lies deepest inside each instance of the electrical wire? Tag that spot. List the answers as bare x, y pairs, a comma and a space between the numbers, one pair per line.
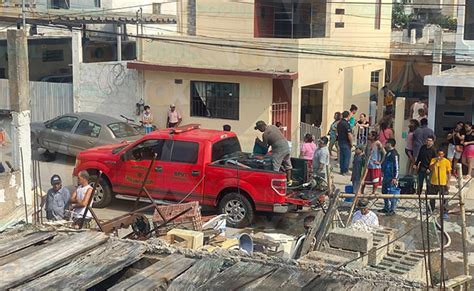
248, 47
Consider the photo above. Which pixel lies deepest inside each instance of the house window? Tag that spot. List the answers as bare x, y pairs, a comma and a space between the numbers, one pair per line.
469, 20
378, 13
59, 4
53, 56
374, 77
339, 24
97, 3
215, 100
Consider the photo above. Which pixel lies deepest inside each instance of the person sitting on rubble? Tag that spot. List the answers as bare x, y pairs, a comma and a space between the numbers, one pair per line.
79, 198
57, 200
364, 215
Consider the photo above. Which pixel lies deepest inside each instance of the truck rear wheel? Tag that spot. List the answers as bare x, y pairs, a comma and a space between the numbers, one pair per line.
103, 194
239, 210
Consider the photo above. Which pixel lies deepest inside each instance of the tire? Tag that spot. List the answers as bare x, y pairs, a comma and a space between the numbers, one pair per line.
103, 194
239, 210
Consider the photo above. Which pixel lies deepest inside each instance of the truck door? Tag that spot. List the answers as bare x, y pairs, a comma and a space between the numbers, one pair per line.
133, 168
183, 173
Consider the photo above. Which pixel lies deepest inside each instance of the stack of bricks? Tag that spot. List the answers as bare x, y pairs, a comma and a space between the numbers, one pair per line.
405, 264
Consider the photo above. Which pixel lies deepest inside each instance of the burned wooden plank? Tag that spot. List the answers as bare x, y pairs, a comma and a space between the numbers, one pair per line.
8, 247
29, 250
237, 276
284, 279
91, 268
157, 275
197, 275
48, 258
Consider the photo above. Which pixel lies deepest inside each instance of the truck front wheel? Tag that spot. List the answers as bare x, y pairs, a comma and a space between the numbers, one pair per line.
238, 208
103, 194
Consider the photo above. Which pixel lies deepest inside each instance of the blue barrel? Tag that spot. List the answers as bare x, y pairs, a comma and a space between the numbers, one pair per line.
349, 189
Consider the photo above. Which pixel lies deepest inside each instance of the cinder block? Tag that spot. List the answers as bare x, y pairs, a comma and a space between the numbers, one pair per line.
329, 260
349, 255
194, 239
390, 233
350, 239
379, 250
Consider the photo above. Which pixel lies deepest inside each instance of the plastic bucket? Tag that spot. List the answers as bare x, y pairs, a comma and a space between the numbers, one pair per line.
349, 189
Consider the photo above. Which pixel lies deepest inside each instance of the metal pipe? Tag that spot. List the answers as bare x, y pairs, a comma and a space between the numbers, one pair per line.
141, 20
23, 15
41, 192
399, 196
119, 42
465, 254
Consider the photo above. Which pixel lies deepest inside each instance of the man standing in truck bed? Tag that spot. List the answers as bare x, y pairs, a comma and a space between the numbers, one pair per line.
273, 137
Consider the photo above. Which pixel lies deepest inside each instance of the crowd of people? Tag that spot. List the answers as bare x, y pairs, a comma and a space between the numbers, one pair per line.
375, 151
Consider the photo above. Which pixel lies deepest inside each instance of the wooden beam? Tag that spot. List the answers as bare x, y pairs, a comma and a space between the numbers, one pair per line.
203, 271
48, 258
238, 276
10, 246
91, 268
157, 276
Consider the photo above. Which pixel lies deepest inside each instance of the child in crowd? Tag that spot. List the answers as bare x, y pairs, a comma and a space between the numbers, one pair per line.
147, 119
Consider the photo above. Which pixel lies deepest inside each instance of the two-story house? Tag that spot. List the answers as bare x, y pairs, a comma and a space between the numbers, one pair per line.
451, 93
293, 62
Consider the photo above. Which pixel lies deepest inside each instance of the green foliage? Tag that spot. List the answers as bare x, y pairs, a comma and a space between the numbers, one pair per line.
446, 22
399, 18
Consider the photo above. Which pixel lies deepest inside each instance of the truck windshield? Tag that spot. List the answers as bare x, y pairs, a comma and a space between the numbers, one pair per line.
122, 130
225, 148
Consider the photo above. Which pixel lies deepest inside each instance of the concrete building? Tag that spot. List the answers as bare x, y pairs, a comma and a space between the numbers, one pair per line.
294, 62
451, 92
426, 9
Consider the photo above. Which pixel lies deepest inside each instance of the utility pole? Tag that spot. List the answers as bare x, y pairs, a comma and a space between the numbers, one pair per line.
436, 70
18, 80
119, 42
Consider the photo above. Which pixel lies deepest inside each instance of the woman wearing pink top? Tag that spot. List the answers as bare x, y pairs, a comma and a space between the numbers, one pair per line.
308, 148
385, 133
414, 124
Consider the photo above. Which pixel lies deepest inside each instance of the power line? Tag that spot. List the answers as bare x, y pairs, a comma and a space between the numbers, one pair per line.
244, 47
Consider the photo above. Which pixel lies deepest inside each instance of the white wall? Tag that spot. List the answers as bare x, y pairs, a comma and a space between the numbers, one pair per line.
107, 88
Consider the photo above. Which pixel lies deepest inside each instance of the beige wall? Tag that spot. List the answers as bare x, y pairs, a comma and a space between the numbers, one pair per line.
255, 99
230, 23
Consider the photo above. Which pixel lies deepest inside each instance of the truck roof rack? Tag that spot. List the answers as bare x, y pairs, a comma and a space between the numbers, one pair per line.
184, 128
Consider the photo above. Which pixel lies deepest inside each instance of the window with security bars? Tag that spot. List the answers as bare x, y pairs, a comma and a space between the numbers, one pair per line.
215, 100
374, 77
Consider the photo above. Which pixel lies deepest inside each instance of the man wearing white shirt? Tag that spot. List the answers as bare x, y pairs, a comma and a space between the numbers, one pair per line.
174, 117
364, 215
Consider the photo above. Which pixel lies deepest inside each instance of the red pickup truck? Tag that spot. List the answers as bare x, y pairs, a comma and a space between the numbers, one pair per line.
192, 164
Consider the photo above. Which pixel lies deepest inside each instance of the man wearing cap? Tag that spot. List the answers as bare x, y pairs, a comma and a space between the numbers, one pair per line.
174, 117
57, 199
364, 215
273, 137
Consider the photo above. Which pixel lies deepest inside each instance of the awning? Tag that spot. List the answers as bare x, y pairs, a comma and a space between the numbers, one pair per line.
213, 71
460, 76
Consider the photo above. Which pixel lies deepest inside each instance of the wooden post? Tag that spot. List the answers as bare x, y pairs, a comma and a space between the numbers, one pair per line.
463, 225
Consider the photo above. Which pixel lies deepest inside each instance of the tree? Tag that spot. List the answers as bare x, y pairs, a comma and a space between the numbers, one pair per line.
399, 18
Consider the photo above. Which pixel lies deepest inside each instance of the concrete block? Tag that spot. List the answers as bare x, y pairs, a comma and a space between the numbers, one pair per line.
350, 255
329, 260
194, 239
377, 252
405, 264
350, 239
391, 233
